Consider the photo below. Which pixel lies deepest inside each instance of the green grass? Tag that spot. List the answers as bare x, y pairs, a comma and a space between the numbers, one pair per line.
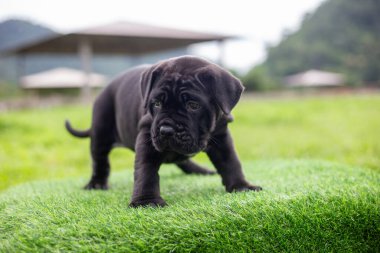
35, 145
344, 129
306, 206
317, 160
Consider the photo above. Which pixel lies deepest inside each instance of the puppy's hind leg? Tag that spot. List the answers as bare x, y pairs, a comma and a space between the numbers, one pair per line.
100, 149
103, 136
189, 167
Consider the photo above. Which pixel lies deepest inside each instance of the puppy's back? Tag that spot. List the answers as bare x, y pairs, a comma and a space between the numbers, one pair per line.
125, 91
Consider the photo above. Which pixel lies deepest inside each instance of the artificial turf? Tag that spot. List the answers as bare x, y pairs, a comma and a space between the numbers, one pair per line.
306, 205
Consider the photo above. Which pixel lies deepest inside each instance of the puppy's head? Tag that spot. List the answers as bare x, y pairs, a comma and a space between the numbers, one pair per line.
186, 96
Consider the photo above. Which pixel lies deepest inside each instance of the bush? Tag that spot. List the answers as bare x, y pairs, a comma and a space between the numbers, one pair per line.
9, 90
258, 79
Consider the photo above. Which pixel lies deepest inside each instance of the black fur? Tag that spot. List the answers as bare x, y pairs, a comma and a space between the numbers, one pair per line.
166, 113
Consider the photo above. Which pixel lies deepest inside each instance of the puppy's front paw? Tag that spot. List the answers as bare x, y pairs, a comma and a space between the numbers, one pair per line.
96, 185
149, 202
248, 188
245, 187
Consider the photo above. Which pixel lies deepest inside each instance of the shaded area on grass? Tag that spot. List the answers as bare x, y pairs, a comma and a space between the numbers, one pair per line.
305, 206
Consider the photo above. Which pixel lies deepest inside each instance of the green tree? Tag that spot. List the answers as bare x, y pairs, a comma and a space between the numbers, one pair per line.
341, 36
258, 79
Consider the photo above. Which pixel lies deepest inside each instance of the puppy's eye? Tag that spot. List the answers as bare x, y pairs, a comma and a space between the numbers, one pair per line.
192, 105
157, 104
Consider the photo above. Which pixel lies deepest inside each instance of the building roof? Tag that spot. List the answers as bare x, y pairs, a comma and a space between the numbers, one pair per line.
121, 37
61, 78
314, 78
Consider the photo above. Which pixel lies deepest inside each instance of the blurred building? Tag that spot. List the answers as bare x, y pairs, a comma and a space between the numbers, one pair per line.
136, 43
61, 78
107, 49
314, 78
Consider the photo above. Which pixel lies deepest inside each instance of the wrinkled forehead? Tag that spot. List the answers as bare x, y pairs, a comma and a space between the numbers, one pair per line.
184, 65
178, 81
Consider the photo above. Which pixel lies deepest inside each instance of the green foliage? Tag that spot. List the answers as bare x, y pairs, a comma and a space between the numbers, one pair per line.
9, 90
258, 79
306, 206
341, 36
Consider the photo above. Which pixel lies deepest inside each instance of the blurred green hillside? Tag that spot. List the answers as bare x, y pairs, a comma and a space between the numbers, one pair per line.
340, 36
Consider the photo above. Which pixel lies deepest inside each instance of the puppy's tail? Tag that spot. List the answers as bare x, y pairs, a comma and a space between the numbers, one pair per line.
77, 133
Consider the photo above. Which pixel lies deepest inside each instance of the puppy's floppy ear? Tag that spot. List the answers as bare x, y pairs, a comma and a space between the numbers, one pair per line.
148, 78
225, 88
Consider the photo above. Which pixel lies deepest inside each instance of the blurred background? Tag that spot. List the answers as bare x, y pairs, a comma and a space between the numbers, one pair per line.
270, 46
311, 69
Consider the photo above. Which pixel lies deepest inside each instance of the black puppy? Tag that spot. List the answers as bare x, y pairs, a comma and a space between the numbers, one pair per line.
166, 113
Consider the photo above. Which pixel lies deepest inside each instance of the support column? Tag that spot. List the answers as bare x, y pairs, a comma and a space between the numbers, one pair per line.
221, 56
20, 68
85, 54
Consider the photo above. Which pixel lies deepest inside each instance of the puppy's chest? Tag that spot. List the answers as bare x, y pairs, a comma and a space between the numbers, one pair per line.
172, 157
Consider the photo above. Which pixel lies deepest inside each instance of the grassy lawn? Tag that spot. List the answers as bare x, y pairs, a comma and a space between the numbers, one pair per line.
306, 206
317, 160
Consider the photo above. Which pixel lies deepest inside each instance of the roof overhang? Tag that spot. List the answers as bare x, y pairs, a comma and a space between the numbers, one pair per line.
119, 38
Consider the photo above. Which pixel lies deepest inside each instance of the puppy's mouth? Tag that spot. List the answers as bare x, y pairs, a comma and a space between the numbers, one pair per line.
177, 141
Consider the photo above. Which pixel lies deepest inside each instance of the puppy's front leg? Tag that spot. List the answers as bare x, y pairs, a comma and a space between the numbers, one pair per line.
222, 154
146, 190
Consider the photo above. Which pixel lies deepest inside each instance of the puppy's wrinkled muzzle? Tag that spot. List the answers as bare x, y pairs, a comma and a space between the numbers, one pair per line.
166, 131
173, 137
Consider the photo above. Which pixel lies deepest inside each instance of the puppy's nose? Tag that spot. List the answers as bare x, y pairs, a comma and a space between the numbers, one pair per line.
166, 131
